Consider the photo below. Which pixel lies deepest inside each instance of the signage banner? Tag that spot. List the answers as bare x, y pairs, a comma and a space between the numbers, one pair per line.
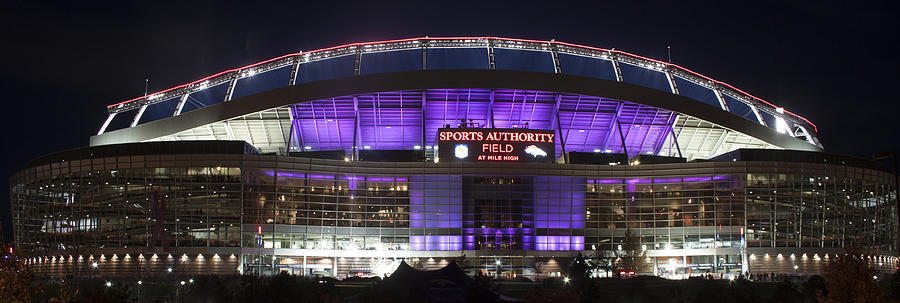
496, 144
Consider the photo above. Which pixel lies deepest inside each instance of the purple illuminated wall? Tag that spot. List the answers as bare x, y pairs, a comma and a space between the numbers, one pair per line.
406, 119
444, 242
559, 202
559, 242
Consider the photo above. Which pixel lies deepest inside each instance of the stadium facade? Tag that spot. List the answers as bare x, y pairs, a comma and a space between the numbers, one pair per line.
515, 155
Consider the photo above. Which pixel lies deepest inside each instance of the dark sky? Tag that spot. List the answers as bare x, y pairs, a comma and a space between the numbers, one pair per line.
836, 63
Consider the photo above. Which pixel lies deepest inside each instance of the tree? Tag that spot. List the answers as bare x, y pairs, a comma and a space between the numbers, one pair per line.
785, 292
16, 280
850, 279
630, 255
579, 269
814, 285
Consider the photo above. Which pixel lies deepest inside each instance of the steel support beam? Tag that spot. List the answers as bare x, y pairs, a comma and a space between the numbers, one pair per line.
554, 54
358, 61
490, 50
758, 115
721, 100
616, 68
229, 131
284, 136
337, 125
106, 123
230, 90
211, 132
180, 105
649, 129
291, 134
555, 124
491, 109
672, 86
613, 122
295, 71
675, 137
670, 123
357, 132
719, 143
424, 102
622, 136
140, 113
425, 56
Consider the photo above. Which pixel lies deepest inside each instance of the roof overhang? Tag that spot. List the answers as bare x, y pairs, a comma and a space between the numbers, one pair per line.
449, 79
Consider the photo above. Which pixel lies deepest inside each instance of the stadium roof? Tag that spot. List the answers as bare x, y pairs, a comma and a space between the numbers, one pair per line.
393, 94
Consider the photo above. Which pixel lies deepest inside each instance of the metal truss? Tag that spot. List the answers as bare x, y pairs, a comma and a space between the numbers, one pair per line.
404, 120
490, 43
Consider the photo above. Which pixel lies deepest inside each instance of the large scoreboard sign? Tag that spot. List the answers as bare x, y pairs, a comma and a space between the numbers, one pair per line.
496, 144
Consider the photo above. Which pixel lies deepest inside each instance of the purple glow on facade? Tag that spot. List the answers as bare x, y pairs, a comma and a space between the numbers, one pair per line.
660, 180
559, 242
605, 181
637, 181
559, 202
435, 201
697, 179
667, 180
442, 242
397, 120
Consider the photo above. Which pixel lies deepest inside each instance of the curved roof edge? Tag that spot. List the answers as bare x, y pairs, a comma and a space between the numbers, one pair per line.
352, 48
449, 79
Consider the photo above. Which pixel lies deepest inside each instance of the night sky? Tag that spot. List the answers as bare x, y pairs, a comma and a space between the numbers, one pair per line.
836, 63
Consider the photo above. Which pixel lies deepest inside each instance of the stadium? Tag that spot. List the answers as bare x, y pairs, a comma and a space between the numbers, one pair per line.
509, 156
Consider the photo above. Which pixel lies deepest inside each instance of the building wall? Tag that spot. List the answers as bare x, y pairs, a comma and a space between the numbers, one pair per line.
325, 209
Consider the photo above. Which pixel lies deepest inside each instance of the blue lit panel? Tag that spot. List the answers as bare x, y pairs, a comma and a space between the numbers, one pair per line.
644, 77
533, 61
586, 67
262, 82
389, 62
739, 108
457, 58
159, 110
326, 69
121, 120
696, 92
769, 119
207, 97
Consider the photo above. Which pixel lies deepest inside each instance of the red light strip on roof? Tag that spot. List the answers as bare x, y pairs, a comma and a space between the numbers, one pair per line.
469, 38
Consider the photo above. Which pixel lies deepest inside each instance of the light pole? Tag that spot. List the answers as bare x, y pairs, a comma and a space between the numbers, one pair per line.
93, 266
139, 283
